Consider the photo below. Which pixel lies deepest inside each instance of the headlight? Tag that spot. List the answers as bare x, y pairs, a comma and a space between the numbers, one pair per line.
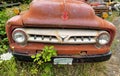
103, 38
19, 36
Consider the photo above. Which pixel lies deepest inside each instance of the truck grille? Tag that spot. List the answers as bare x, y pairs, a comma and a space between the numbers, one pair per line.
42, 38
54, 39
64, 36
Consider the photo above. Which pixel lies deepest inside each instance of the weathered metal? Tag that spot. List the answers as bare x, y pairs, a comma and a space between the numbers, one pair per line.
62, 15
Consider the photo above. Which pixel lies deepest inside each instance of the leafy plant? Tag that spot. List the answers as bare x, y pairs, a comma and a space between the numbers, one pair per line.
12, 1
45, 55
8, 68
3, 38
27, 1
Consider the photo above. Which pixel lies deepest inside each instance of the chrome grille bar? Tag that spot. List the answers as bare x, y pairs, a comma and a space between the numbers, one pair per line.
42, 38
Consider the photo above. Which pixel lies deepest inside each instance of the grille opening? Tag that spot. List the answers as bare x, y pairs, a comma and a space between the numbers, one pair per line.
42, 37
82, 38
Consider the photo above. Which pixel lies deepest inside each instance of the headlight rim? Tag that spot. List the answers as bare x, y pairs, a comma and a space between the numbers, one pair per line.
21, 31
97, 39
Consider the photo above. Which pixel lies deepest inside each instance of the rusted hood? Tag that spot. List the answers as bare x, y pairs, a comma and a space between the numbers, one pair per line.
60, 13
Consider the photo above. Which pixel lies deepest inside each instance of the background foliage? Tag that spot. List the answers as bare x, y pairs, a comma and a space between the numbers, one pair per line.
19, 68
12, 1
3, 40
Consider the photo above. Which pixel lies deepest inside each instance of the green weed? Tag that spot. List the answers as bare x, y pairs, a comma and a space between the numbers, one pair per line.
3, 38
41, 58
8, 68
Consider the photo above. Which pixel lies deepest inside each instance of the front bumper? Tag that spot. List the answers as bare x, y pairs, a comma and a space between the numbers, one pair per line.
76, 59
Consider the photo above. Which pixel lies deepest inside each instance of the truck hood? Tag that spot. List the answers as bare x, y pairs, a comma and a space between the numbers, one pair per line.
59, 13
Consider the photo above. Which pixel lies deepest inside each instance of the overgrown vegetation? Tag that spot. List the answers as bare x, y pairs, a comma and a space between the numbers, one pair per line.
19, 68
8, 68
41, 58
12, 1
3, 39
45, 55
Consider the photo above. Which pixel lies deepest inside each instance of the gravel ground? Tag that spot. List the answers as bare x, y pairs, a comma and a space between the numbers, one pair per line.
113, 65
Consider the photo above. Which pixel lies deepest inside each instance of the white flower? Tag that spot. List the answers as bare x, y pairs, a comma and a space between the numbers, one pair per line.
6, 56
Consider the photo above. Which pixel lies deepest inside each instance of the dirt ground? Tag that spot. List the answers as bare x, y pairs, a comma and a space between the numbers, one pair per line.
113, 65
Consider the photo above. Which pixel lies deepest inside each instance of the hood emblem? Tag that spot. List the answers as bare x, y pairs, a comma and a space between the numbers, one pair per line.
65, 15
63, 37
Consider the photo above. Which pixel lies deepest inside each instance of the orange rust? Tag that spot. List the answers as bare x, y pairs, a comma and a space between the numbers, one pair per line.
61, 49
47, 14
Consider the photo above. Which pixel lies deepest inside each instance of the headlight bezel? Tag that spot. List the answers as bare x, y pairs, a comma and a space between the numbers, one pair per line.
23, 33
101, 34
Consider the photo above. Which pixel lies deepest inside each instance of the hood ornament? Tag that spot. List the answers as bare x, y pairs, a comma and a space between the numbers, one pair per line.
65, 15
